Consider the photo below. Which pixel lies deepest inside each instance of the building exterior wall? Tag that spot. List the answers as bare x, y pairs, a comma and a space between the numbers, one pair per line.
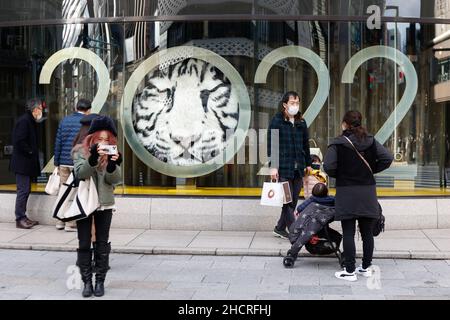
125, 34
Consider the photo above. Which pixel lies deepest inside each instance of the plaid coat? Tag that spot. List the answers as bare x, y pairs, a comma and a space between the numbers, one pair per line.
293, 146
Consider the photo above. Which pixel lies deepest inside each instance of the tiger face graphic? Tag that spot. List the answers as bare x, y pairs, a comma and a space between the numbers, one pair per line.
186, 112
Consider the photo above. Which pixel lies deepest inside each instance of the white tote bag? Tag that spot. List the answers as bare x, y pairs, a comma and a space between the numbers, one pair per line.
52, 186
66, 195
85, 202
272, 194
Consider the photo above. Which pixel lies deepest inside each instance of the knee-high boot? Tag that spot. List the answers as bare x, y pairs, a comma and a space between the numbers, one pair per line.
102, 250
85, 265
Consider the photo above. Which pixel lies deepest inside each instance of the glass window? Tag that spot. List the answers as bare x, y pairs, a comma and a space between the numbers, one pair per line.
198, 96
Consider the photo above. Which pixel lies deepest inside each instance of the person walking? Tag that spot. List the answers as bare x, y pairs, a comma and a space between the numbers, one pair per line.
25, 158
67, 131
353, 158
293, 155
91, 160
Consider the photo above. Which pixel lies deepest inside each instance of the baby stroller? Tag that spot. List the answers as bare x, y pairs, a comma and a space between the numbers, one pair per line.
312, 230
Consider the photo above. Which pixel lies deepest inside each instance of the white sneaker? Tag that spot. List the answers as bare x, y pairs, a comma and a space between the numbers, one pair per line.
344, 275
59, 225
365, 272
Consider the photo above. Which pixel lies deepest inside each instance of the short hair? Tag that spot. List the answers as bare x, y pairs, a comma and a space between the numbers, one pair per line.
320, 190
84, 105
33, 104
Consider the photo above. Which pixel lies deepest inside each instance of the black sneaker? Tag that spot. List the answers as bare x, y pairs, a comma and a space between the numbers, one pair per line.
280, 233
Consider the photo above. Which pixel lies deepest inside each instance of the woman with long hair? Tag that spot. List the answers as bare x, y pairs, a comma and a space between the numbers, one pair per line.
290, 157
353, 158
92, 160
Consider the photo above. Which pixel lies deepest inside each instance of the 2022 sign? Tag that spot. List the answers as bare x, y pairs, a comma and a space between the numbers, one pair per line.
224, 151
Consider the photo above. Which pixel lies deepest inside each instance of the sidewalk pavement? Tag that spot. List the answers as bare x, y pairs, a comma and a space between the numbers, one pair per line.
49, 275
400, 244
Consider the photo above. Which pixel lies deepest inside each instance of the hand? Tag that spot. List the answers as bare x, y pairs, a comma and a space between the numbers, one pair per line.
296, 213
94, 150
113, 160
308, 170
93, 158
274, 174
117, 158
100, 151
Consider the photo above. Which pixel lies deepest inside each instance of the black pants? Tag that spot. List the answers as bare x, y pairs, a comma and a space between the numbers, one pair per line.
23, 192
348, 230
287, 212
102, 226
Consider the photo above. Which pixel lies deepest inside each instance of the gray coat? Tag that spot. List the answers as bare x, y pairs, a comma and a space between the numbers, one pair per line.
356, 201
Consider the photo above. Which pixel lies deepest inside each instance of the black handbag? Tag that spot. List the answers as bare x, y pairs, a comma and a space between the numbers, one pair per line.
379, 224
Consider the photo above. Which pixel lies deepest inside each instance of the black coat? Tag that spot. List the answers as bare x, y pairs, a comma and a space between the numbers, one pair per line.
356, 193
293, 146
25, 157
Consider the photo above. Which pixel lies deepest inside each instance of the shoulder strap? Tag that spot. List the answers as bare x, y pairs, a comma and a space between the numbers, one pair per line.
359, 154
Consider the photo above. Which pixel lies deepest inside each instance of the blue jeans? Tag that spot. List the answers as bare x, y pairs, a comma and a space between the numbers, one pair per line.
23, 192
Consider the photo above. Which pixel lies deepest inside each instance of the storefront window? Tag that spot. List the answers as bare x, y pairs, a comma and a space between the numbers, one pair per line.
199, 84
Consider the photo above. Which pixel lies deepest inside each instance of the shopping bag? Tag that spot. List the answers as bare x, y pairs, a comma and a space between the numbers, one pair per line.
66, 195
52, 186
287, 195
272, 194
85, 201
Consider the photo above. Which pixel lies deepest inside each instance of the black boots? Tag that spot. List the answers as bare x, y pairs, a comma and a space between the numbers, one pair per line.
101, 256
94, 245
99, 265
84, 260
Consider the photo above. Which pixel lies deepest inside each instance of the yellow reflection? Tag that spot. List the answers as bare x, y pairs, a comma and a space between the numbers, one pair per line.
237, 192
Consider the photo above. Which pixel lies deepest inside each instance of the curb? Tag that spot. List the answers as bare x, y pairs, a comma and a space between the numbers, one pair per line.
409, 255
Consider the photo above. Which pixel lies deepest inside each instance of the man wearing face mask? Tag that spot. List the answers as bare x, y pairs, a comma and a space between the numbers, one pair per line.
290, 157
25, 158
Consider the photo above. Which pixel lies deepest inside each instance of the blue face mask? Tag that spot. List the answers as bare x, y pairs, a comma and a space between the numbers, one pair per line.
315, 166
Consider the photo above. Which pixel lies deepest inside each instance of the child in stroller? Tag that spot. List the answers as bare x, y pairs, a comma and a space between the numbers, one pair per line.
311, 227
314, 176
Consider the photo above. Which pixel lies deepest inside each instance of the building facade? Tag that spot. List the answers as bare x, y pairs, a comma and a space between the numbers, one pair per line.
194, 84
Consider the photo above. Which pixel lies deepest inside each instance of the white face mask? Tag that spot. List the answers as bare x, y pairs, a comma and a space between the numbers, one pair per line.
293, 110
38, 118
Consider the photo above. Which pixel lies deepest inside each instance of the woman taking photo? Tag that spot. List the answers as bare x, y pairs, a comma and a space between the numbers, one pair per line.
92, 160
353, 158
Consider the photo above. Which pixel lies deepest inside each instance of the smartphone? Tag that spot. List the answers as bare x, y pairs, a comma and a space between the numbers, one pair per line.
110, 149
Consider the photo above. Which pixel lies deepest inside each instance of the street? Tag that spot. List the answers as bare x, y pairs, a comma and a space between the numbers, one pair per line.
33, 274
